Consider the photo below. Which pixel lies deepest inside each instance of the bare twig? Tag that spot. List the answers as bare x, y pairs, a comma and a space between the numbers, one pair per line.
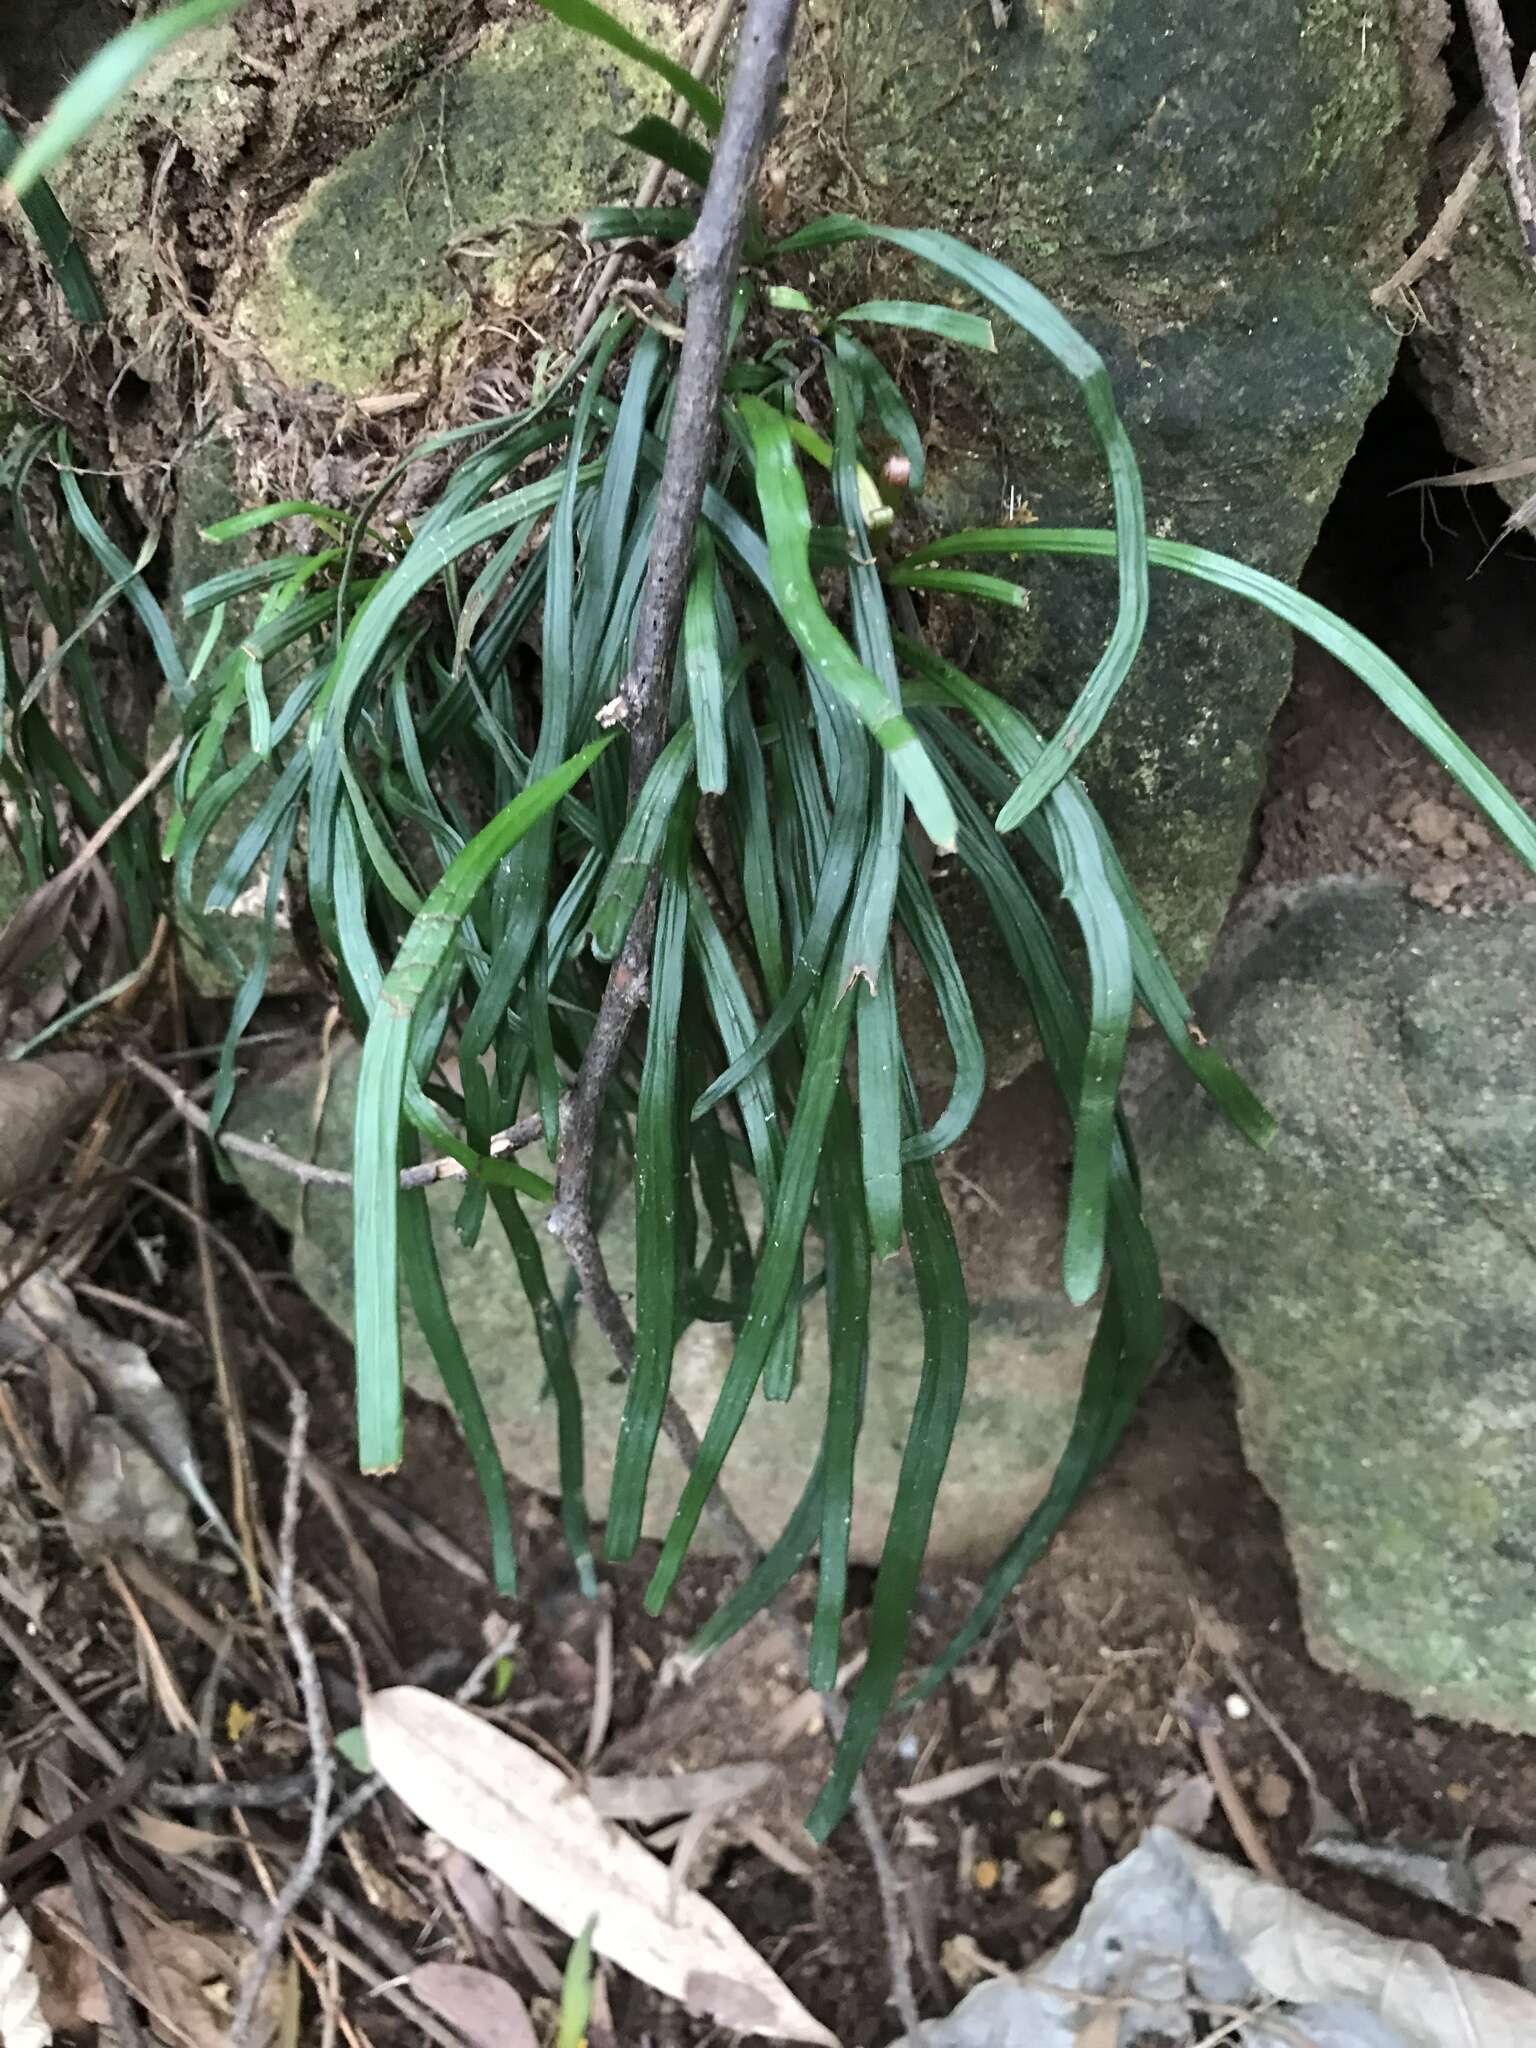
1436, 245
1491, 40
89, 1903
86, 1732
514, 1139
317, 1727
1206, 1725
708, 263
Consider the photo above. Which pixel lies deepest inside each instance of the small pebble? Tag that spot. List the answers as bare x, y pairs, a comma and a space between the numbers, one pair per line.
1057, 1892
1273, 1795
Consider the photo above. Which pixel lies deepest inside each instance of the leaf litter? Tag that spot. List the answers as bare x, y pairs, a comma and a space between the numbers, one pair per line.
505, 1805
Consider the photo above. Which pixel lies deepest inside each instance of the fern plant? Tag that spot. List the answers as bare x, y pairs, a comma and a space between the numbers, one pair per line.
428, 701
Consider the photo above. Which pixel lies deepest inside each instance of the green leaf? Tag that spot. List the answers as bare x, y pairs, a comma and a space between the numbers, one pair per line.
1376, 670
619, 223
554, 1346
381, 1090
66, 258
787, 524
946, 323
658, 1191
945, 1314
846, 1236
350, 1743
102, 81
429, 1300
576, 1991
635, 857
665, 141
1032, 311
596, 21
702, 665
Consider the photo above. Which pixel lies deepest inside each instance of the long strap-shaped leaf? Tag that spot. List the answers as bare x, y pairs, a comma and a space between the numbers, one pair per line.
1032, 311
658, 1192
381, 1091
596, 21
946, 1339
787, 524
1396, 689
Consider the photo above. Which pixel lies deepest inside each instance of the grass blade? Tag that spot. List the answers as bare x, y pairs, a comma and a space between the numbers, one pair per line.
946, 1339
658, 1176
66, 259
1032, 311
381, 1090
1396, 689
946, 323
702, 665
429, 1300
596, 21
846, 1237
787, 523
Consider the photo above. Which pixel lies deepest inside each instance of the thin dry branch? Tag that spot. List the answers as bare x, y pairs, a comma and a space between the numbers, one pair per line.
1436, 245
516, 1138
708, 263
1490, 38
317, 1727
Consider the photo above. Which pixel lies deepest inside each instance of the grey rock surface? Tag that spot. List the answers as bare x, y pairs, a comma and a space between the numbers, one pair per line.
1373, 1277
1028, 1345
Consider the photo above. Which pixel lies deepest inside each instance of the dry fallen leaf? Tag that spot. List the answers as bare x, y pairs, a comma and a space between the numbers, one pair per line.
515, 1813
123, 1434
650, 1797
21, 2020
484, 2009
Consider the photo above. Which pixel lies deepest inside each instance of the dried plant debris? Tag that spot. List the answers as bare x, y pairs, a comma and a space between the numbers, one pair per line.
1177, 1945
127, 1450
505, 1805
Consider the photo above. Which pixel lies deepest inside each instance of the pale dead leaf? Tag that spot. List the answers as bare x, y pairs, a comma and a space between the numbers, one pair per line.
1102, 2030
121, 1383
21, 2018
484, 2009
507, 1807
966, 1964
948, 1784
1187, 1808
175, 1837
1083, 1777
647, 1798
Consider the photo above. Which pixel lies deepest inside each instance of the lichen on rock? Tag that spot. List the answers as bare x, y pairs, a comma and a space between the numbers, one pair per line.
459, 193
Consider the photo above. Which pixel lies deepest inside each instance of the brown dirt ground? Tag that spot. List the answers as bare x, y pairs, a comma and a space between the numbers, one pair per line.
1171, 1582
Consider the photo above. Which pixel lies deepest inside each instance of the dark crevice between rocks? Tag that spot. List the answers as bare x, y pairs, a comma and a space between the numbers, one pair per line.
1425, 573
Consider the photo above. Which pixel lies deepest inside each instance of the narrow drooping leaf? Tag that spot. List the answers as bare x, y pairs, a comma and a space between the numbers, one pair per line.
787, 523
380, 1096
658, 1173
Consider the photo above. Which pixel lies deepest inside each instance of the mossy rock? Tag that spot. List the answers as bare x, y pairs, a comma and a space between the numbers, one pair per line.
470, 181
1373, 1277
1474, 342
1209, 199
1028, 1345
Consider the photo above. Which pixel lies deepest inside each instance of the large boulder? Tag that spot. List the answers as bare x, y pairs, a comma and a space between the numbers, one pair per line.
1373, 1277
1028, 1345
1210, 196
